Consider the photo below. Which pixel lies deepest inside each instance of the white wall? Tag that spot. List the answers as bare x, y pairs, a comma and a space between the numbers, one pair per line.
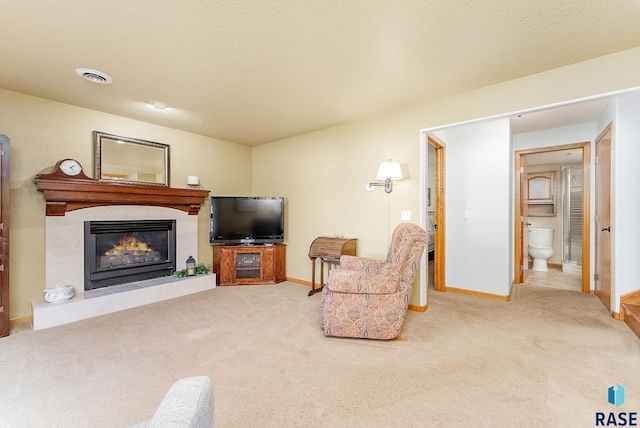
478, 166
626, 197
555, 136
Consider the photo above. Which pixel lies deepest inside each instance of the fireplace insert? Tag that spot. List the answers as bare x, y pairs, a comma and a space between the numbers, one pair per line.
119, 252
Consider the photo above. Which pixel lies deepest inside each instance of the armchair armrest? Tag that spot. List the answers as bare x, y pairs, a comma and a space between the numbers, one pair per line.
361, 264
188, 404
349, 281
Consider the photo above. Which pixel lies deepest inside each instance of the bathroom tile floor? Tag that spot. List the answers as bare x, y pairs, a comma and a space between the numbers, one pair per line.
554, 278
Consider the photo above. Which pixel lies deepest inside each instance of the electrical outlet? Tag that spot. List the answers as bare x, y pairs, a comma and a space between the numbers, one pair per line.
405, 215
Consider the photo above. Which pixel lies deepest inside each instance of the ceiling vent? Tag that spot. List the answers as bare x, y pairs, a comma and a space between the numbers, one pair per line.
94, 76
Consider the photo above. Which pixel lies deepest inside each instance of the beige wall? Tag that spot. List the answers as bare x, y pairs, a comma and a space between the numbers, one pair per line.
323, 177
323, 174
42, 132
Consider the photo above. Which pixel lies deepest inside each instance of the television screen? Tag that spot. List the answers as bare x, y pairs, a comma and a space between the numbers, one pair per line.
246, 220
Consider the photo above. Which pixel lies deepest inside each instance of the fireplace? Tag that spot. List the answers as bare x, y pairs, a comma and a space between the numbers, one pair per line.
73, 203
124, 251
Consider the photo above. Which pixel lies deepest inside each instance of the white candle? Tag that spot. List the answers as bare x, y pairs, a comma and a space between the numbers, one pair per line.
192, 180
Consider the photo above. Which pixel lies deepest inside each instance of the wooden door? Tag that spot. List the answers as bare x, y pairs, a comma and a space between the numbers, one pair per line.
439, 261
4, 236
604, 250
521, 254
525, 223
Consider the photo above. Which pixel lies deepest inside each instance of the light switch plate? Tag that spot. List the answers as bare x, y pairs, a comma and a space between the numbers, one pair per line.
405, 215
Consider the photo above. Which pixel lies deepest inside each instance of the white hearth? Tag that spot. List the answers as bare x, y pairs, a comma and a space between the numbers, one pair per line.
104, 301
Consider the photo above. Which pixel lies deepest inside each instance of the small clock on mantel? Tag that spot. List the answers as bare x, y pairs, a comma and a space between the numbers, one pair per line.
67, 168
70, 167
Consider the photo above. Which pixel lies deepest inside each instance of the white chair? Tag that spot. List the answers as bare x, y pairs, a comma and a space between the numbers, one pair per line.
187, 404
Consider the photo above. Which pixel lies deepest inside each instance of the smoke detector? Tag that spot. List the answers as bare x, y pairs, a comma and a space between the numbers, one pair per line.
159, 105
94, 76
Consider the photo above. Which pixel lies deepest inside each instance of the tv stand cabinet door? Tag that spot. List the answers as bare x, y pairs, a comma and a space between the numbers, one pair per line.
236, 265
268, 264
279, 262
223, 265
248, 265
273, 263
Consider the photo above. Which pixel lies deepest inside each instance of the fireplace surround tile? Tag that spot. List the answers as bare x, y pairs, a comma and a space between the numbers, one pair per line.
65, 238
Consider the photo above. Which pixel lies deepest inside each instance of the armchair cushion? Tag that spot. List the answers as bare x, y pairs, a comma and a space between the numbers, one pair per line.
348, 281
361, 264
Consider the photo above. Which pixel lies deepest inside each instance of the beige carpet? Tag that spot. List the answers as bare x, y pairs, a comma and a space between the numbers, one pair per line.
544, 359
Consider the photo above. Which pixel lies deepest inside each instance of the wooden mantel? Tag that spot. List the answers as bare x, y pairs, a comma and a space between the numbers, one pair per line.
68, 194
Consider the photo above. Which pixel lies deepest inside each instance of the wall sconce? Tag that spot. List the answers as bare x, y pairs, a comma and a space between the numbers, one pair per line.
388, 172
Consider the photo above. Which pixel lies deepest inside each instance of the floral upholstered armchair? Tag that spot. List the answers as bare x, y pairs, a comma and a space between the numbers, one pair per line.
369, 298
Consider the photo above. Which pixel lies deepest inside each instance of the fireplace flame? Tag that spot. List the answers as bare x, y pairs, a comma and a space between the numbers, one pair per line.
129, 244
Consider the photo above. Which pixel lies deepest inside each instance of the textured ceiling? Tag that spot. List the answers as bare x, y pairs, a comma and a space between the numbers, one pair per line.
253, 72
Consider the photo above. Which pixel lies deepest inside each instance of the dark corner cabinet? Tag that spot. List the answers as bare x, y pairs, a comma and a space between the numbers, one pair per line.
249, 264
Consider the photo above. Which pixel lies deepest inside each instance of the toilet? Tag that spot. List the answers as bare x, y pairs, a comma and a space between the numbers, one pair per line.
540, 247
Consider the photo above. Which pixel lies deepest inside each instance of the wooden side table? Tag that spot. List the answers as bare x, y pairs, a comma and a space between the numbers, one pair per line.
329, 251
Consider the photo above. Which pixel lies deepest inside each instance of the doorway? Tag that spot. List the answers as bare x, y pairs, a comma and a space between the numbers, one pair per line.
523, 217
435, 209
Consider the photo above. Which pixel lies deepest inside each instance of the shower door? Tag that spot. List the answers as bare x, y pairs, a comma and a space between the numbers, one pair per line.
572, 214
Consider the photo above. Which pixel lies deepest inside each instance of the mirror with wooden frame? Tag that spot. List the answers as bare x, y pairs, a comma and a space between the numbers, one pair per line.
541, 202
130, 160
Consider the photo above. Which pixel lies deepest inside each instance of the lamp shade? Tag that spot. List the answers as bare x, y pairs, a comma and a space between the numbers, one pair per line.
390, 170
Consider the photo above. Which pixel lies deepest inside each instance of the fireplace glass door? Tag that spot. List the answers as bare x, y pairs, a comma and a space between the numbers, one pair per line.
118, 252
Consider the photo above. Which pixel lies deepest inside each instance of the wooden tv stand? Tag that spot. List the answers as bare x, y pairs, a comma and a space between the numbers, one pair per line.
249, 264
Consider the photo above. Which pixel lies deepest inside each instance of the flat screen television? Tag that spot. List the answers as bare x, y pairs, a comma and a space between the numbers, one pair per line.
237, 220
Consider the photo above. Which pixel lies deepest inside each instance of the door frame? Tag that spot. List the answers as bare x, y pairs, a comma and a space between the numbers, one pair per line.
4, 236
430, 139
586, 210
439, 283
